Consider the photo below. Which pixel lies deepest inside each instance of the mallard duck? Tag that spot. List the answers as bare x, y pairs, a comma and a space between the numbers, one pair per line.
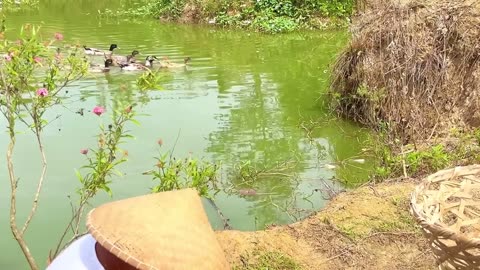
168, 64
137, 66
122, 60
100, 68
94, 51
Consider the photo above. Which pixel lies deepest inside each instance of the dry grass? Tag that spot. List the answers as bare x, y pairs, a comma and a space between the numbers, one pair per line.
412, 67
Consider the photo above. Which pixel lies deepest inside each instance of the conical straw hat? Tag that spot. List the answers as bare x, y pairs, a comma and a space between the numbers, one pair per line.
165, 231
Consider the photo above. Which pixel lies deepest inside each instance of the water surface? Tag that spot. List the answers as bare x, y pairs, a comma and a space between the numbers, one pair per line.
245, 98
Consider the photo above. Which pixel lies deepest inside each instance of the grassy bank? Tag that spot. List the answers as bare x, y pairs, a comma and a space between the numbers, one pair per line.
271, 16
368, 228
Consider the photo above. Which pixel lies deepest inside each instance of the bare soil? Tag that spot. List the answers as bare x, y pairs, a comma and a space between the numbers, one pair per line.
368, 228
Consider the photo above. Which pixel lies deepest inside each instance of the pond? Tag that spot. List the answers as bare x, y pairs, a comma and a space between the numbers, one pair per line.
246, 97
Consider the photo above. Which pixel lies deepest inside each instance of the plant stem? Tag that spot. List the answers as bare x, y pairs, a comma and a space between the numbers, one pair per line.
10, 114
40, 182
13, 206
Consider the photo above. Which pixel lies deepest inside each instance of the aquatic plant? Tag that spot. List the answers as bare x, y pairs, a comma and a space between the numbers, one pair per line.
172, 173
150, 80
12, 5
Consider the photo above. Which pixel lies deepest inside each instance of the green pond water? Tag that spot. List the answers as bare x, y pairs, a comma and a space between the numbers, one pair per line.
244, 98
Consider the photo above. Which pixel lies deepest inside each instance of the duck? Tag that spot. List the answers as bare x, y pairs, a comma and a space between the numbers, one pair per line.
138, 66
168, 64
99, 68
122, 60
94, 51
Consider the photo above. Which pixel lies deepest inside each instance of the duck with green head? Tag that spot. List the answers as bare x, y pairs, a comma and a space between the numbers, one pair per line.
98, 52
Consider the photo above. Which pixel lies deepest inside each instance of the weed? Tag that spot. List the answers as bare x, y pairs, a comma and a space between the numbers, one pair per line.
270, 261
395, 160
150, 80
172, 174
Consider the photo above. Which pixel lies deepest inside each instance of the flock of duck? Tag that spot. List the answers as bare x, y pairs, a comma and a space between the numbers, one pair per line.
129, 62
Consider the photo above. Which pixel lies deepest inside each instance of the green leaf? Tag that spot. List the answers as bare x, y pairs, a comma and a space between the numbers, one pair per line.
135, 122
79, 176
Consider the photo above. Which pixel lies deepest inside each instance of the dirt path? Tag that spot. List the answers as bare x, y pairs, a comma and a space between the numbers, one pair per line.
368, 228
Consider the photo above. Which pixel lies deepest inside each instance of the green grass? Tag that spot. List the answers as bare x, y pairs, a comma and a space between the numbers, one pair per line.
271, 261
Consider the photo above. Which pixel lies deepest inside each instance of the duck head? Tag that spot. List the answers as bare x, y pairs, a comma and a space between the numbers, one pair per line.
113, 47
187, 59
108, 63
149, 60
135, 52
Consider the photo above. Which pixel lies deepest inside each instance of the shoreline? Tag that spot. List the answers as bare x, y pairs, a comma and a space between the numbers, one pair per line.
366, 228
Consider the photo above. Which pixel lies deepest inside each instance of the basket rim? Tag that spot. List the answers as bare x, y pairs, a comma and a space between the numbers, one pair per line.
440, 228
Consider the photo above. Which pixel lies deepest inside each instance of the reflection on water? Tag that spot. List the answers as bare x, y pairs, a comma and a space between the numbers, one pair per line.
245, 98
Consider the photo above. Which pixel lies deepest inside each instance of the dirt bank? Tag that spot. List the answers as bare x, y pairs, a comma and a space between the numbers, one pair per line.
368, 228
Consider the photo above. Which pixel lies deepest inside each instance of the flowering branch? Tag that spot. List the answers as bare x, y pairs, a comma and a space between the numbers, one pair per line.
101, 168
20, 96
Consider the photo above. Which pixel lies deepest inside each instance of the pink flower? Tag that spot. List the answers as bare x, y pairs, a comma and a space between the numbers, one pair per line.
37, 59
98, 110
160, 142
8, 57
84, 151
58, 36
42, 92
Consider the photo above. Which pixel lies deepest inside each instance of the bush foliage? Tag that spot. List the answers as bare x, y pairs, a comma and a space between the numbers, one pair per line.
272, 16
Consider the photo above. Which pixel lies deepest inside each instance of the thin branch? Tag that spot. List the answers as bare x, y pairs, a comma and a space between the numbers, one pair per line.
70, 225
176, 141
225, 220
40, 182
13, 181
37, 130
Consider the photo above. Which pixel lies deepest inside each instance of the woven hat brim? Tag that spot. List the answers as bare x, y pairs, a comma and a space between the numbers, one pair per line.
167, 231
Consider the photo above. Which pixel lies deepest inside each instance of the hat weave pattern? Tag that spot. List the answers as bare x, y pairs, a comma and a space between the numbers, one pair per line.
164, 231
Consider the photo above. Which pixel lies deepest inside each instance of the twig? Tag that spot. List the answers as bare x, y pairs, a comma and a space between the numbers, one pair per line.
336, 256
356, 244
75, 217
175, 144
403, 163
273, 174
225, 220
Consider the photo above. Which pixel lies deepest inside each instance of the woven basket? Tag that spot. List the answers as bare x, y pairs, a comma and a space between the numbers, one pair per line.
447, 207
